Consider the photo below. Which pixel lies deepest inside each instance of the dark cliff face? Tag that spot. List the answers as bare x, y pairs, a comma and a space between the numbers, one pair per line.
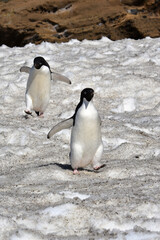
59, 21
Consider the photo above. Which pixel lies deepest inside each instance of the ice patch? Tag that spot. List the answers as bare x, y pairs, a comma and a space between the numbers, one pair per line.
25, 235
113, 143
112, 225
8, 99
117, 173
58, 220
61, 210
65, 135
148, 210
145, 130
3, 85
12, 89
6, 224
22, 151
132, 235
156, 152
17, 137
125, 226
128, 105
72, 195
156, 60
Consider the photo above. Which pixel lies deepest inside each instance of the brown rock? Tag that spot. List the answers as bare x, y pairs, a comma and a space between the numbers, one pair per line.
61, 20
133, 2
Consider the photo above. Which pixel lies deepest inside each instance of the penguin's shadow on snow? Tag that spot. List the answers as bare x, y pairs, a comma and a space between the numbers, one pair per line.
65, 167
68, 167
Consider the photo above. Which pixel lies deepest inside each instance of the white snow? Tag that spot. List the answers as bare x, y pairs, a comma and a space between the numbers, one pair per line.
40, 197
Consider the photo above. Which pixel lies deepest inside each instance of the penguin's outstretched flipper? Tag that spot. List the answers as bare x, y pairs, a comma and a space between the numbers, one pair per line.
59, 77
25, 69
68, 123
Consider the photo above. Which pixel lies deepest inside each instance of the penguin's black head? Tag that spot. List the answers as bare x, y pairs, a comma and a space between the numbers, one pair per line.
87, 93
39, 62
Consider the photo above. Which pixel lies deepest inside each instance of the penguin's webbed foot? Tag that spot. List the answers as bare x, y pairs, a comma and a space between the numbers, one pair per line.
75, 172
98, 167
28, 112
41, 115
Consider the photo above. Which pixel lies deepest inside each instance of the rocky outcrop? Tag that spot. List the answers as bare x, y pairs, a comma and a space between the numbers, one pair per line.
59, 21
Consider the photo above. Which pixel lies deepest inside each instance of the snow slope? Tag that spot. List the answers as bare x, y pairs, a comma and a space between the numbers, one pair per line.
40, 197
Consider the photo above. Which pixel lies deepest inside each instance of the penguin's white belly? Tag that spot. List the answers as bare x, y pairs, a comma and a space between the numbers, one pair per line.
85, 138
39, 91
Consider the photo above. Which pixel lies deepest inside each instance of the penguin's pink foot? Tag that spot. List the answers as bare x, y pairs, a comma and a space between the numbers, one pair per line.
41, 115
27, 112
98, 167
75, 171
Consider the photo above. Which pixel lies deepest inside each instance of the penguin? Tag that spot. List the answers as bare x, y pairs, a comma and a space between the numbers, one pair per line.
38, 88
86, 146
